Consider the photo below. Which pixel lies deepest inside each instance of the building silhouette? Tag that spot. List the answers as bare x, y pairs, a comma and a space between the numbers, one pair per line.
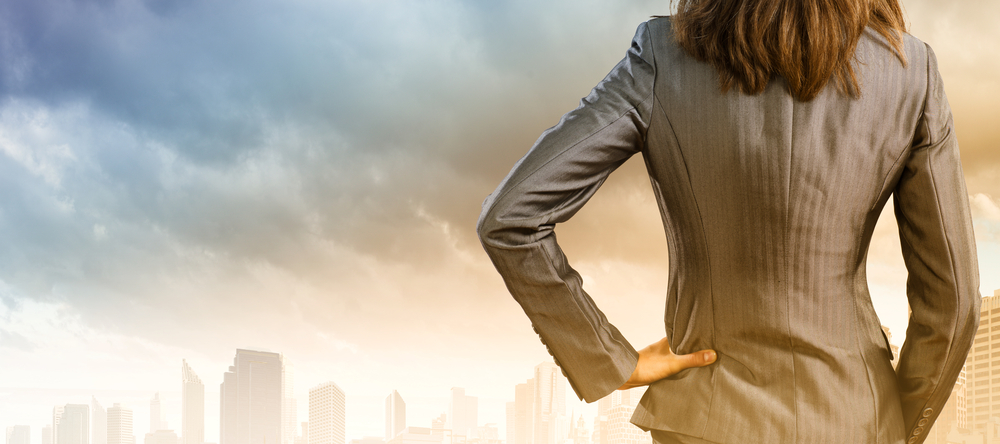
327, 417
538, 413
72, 424
395, 415
984, 356
251, 399
619, 429
120, 425
549, 406
289, 408
98, 422
19, 434
524, 407
192, 406
156, 414
463, 412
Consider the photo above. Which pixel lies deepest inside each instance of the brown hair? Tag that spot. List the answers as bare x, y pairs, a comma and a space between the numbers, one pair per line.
804, 41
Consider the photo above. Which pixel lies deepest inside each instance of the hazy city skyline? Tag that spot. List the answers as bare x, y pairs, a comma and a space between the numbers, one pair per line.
177, 183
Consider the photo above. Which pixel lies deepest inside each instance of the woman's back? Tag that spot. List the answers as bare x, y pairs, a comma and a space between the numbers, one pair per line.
768, 204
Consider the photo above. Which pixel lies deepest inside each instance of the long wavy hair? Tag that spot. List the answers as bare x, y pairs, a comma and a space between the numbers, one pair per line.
807, 42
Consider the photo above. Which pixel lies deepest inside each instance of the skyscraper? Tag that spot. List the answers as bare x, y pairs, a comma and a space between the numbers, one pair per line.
251, 398
57, 412
120, 425
19, 434
524, 407
953, 414
463, 412
619, 429
98, 422
395, 415
289, 409
156, 414
327, 417
47, 434
984, 356
192, 406
74, 425
549, 406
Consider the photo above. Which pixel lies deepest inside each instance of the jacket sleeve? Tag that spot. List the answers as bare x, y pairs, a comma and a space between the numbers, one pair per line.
563, 169
939, 250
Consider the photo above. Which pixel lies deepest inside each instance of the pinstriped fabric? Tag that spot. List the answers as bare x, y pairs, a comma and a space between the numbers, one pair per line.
768, 205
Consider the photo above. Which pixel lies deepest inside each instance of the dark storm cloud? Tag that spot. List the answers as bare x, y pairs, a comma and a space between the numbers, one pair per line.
299, 158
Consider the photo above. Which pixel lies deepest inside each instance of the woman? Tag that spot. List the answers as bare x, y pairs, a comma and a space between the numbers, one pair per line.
773, 131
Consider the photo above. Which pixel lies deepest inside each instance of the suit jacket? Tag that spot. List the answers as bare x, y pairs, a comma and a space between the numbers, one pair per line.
768, 204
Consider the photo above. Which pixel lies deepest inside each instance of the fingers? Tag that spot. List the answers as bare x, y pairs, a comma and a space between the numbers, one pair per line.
697, 359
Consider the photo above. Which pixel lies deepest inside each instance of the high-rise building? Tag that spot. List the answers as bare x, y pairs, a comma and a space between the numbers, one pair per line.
549, 407
192, 406
74, 425
19, 434
600, 435
47, 434
327, 417
620, 429
120, 425
984, 356
395, 415
98, 422
57, 412
289, 408
156, 414
578, 433
953, 414
251, 399
524, 407
463, 412
511, 411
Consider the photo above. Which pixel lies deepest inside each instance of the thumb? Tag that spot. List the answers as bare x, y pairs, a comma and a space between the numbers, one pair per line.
697, 359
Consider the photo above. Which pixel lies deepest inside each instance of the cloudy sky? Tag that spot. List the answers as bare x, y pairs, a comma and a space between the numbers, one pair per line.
180, 178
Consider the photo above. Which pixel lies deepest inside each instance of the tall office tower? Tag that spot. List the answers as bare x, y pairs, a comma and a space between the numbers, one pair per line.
74, 425
953, 414
156, 414
395, 415
327, 414
57, 412
509, 426
47, 434
289, 409
251, 399
578, 433
98, 422
524, 407
979, 385
192, 406
600, 435
549, 407
19, 434
463, 412
120, 425
620, 430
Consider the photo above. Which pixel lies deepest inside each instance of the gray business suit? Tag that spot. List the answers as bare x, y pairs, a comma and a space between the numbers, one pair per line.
768, 204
